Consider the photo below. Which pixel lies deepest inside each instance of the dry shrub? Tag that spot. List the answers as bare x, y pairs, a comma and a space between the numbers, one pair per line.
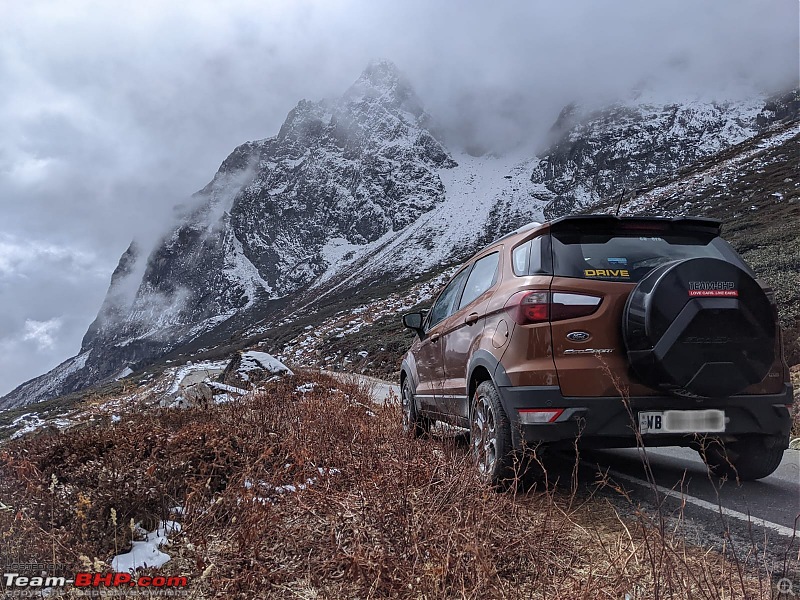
372, 513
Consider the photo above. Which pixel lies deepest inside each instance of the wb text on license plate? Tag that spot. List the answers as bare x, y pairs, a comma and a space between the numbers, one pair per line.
682, 421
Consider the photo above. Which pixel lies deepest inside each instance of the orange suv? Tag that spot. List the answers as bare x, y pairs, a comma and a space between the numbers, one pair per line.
604, 329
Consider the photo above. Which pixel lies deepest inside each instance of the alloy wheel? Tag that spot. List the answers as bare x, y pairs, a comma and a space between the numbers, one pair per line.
406, 408
484, 437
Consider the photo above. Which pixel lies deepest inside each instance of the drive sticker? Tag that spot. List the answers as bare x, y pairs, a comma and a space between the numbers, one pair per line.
618, 261
606, 273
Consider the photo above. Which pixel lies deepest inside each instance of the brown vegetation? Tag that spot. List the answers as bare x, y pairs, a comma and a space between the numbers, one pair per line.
372, 514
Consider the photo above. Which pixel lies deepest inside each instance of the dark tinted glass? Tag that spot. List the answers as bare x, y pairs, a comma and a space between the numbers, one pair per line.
527, 258
630, 258
480, 279
446, 301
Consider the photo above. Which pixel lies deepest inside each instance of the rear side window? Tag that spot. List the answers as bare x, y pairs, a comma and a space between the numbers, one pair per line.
481, 278
527, 258
447, 299
629, 258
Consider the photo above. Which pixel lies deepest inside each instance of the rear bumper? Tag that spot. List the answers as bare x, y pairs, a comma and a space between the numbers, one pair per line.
606, 421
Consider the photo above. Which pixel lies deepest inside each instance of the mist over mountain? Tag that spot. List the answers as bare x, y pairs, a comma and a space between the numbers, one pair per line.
361, 187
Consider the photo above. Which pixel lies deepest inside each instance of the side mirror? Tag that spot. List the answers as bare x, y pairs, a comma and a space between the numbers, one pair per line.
414, 321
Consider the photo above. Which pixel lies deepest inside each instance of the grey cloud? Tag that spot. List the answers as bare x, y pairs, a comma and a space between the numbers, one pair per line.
110, 117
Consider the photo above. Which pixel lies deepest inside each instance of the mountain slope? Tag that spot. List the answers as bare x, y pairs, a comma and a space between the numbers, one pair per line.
353, 192
601, 154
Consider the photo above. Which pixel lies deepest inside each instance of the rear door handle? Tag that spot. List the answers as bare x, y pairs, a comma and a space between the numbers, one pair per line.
435, 337
472, 318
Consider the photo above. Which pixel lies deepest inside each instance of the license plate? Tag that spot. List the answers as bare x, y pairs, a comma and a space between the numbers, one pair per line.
682, 421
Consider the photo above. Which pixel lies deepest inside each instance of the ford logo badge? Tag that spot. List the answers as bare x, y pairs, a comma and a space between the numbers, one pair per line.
578, 336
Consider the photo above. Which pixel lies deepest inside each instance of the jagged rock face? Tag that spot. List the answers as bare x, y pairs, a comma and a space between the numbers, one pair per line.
356, 188
354, 168
351, 169
601, 154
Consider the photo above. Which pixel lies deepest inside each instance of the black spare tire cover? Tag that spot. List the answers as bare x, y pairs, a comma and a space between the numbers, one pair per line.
700, 327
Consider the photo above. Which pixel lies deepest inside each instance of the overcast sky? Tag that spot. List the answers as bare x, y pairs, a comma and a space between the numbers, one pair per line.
110, 116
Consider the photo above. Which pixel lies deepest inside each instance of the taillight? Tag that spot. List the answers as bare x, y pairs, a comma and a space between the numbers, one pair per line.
529, 306
538, 306
570, 306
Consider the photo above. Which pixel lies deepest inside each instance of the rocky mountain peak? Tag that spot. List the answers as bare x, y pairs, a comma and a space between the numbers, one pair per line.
383, 82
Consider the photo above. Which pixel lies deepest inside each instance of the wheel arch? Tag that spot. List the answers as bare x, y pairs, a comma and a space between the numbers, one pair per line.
484, 366
407, 371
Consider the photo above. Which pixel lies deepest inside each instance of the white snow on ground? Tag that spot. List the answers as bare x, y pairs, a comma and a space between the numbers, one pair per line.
30, 422
226, 388
146, 553
239, 268
254, 360
337, 254
179, 374
474, 188
288, 488
651, 199
124, 373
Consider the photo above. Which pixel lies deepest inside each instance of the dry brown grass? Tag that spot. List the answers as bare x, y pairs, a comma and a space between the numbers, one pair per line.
379, 515
795, 410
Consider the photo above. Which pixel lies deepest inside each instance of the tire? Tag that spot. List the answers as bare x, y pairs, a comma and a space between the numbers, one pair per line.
414, 424
490, 437
747, 459
699, 327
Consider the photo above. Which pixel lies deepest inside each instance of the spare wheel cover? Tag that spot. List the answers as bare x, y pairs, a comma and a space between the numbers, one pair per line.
701, 327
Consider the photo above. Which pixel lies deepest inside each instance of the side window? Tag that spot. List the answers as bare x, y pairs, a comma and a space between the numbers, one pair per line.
527, 258
482, 277
447, 299
521, 256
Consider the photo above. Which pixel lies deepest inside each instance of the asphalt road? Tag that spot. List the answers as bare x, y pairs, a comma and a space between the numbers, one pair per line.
774, 499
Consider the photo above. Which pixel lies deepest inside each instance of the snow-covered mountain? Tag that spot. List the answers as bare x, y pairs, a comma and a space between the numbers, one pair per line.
357, 187
601, 154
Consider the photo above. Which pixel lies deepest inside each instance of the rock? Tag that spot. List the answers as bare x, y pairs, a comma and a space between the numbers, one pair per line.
197, 394
249, 368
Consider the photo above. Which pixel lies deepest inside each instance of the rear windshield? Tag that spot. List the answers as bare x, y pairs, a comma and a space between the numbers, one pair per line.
629, 258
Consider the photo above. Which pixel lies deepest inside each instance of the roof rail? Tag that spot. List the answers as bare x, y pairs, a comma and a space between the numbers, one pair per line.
526, 227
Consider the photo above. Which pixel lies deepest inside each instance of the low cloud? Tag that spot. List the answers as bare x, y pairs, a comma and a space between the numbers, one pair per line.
41, 332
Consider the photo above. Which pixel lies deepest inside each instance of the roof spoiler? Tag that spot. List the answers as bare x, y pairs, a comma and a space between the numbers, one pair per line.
526, 227
585, 223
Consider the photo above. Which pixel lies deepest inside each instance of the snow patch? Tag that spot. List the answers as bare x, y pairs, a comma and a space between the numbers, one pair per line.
147, 553
253, 360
